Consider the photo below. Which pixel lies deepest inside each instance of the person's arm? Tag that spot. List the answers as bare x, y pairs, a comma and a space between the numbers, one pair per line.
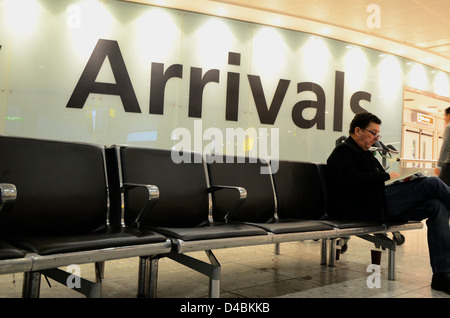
346, 166
445, 151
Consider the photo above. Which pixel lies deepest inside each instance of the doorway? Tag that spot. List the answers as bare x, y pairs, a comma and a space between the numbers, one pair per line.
422, 131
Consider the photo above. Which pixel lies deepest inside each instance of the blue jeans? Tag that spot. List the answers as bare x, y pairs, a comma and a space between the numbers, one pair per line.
427, 198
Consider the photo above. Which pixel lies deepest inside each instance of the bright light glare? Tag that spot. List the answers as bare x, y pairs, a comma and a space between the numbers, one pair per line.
214, 40
269, 51
356, 65
21, 17
315, 58
221, 11
390, 76
441, 84
95, 22
417, 77
150, 40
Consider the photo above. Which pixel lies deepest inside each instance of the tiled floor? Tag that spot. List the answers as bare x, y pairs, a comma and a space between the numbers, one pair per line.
256, 272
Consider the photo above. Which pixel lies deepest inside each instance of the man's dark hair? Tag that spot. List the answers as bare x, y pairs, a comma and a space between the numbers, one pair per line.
447, 110
363, 120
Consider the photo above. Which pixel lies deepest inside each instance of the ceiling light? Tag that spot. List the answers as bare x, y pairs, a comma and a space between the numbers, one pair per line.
221, 11
277, 21
326, 31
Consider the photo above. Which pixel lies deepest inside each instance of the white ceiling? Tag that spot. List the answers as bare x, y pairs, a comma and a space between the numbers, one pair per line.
423, 24
425, 102
415, 29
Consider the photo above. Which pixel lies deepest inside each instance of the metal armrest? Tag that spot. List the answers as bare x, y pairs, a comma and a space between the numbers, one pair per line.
153, 196
242, 197
8, 195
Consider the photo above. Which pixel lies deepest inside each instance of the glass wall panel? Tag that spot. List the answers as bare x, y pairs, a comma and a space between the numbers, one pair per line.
114, 72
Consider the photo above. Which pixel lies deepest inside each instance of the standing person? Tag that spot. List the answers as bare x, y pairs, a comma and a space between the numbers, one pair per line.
357, 190
443, 165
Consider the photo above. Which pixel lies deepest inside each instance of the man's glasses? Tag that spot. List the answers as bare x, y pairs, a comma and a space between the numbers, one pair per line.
374, 134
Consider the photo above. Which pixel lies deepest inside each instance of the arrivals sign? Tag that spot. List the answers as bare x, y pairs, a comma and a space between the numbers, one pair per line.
199, 79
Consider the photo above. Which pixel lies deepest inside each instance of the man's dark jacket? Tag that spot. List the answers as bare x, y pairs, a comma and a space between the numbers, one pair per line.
355, 183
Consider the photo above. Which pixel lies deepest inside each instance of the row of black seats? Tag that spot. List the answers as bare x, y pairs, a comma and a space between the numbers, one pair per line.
65, 203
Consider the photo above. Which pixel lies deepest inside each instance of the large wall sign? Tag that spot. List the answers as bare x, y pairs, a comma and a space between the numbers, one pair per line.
198, 80
123, 73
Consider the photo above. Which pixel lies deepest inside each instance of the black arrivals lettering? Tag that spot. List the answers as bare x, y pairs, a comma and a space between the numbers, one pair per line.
199, 80
87, 84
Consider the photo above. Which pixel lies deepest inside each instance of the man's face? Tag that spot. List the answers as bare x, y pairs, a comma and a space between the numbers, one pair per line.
365, 137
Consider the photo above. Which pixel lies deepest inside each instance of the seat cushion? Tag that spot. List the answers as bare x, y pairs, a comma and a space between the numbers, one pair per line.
258, 206
293, 226
8, 252
349, 223
61, 186
212, 231
183, 200
108, 238
300, 193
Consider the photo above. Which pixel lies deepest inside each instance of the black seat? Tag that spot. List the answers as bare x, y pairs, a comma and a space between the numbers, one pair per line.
182, 210
7, 197
300, 193
62, 202
9, 252
262, 207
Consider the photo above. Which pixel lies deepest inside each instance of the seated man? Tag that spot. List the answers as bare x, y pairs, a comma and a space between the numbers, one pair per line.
357, 191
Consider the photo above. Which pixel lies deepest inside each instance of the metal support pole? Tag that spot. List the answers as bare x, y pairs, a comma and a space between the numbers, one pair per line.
332, 259
31, 284
142, 276
277, 248
323, 252
99, 271
214, 281
152, 277
391, 265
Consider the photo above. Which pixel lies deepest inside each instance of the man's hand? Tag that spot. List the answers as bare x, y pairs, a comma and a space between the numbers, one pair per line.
394, 175
437, 171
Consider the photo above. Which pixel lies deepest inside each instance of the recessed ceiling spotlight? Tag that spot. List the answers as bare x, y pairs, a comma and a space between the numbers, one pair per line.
277, 21
326, 31
221, 11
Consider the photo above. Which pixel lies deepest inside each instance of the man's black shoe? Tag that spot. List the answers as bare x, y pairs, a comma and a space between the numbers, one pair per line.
441, 281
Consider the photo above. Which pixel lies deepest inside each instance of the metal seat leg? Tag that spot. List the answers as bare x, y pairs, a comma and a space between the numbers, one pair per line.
332, 258
31, 285
323, 252
152, 277
142, 276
